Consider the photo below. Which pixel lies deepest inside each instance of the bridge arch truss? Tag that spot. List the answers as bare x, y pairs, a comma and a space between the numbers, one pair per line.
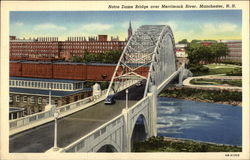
149, 54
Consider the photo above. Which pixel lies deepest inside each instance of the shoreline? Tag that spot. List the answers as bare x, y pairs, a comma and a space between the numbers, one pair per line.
233, 103
173, 139
171, 144
198, 95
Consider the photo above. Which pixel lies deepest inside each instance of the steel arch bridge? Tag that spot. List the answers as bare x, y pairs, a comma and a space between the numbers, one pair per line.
152, 47
152, 50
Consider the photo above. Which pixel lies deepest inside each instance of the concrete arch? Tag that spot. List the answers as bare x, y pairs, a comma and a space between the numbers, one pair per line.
145, 122
139, 132
107, 148
110, 143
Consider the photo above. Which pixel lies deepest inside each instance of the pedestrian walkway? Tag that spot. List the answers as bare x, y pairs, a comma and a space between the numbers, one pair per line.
186, 82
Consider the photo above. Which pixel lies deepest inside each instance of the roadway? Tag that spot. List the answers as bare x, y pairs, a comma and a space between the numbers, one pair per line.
72, 127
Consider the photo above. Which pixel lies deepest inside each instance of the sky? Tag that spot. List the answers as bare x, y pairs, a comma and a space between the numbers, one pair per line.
199, 24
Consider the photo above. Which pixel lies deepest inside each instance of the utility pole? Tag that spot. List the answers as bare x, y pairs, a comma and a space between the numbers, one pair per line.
56, 115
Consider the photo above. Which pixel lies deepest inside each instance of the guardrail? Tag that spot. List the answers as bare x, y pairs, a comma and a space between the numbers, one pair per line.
30, 119
91, 136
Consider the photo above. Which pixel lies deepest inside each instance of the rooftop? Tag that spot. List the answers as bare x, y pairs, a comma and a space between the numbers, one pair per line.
46, 92
14, 109
45, 80
63, 62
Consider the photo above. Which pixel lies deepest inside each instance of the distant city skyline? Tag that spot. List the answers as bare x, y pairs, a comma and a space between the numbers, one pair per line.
208, 24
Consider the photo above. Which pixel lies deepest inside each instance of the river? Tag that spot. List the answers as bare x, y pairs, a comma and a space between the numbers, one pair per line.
208, 122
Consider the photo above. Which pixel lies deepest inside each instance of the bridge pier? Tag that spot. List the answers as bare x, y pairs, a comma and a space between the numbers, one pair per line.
181, 76
153, 112
127, 137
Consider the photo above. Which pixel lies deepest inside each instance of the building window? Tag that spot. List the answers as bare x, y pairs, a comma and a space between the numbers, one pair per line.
40, 99
76, 98
47, 100
32, 99
17, 98
11, 99
25, 98
55, 102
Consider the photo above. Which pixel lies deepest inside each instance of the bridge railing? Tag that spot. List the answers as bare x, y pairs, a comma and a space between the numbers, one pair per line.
46, 114
30, 119
137, 107
100, 133
104, 130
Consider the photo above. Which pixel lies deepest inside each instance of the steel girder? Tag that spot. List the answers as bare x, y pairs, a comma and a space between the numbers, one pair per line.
151, 46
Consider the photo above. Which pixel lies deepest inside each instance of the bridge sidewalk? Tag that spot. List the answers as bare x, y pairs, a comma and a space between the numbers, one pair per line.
47, 120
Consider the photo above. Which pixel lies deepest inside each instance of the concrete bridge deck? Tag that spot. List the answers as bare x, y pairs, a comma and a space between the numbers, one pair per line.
71, 128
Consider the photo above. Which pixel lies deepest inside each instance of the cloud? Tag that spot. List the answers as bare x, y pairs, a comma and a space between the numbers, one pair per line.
219, 28
19, 24
48, 26
96, 27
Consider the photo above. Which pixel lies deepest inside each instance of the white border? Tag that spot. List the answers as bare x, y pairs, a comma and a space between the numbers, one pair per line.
7, 6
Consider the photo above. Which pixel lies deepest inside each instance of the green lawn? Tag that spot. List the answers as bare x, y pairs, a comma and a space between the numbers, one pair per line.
218, 69
221, 65
202, 81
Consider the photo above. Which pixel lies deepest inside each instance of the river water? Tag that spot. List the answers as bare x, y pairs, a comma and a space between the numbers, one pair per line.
216, 123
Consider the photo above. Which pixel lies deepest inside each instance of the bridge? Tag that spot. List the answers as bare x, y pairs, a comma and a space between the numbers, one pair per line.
91, 126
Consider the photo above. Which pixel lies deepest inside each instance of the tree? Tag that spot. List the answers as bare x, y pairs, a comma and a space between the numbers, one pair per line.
197, 53
218, 50
184, 41
195, 41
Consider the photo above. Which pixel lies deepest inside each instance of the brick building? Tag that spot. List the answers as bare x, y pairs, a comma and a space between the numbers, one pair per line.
49, 48
235, 49
32, 94
234, 46
66, 70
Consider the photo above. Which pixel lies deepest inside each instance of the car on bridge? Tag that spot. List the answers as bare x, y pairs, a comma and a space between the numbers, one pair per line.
139, 84
110, 99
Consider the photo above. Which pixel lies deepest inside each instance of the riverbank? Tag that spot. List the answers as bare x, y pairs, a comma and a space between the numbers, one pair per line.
167, 144
219, 96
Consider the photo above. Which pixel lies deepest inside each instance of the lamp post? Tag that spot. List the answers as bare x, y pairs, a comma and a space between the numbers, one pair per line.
126, 98
56, 115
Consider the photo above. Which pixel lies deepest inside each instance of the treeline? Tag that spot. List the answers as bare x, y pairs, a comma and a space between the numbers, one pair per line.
198, 53
231, 97
106, 57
